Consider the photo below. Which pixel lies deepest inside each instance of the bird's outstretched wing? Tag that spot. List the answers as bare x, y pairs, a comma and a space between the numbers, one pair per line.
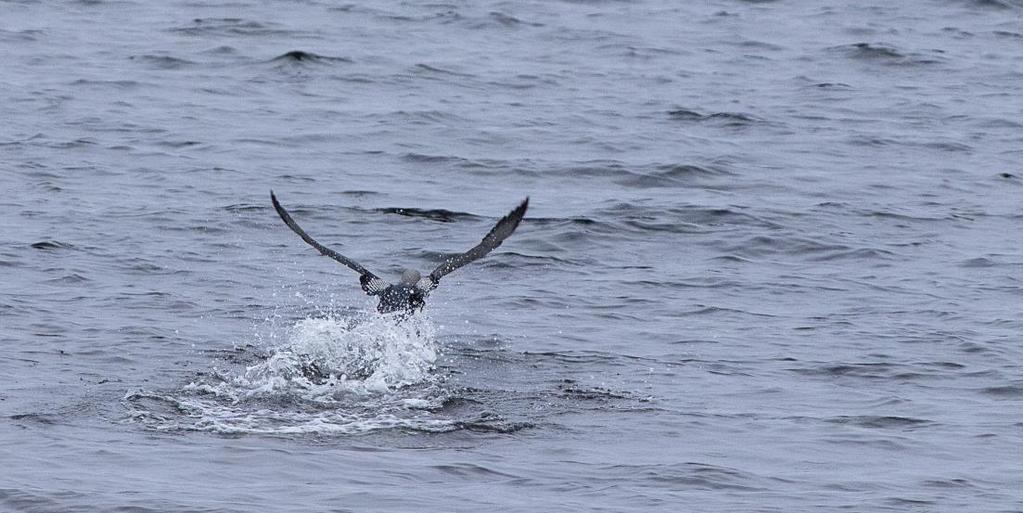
371, 283
504, 228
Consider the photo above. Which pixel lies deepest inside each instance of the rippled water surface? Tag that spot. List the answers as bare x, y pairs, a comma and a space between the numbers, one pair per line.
772, 260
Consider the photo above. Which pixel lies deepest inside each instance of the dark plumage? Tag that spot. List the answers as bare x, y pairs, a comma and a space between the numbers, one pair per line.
409, 295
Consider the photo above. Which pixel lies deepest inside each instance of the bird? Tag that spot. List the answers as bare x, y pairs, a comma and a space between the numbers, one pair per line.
409, 295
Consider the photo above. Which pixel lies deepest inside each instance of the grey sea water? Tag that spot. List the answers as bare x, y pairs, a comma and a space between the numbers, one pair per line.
772, 260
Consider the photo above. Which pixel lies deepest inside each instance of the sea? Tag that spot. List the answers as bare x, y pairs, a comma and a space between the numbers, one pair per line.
772, 262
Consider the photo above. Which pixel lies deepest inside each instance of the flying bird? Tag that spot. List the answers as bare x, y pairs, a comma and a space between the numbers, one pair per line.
409, 294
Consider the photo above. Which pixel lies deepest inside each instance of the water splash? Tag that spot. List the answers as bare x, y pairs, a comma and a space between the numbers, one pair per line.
328, 357
332, 375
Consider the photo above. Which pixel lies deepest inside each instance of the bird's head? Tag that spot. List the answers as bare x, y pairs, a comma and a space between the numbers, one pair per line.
410, 277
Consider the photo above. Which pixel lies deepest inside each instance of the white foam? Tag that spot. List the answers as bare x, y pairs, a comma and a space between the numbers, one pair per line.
326, 357
331, 375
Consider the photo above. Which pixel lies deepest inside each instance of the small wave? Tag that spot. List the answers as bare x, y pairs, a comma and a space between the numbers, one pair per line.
763, 245
693, 475
1008, 34
51, 245
488, 426
978, 262
953, 483
296, 56
515, 260
1005, 391
717, 310
756, 45
884, 54
576, 393
245, 207
880, 421
633, 218
177, 144
832, 85
68, 279
444, 216
119, 84
643, 176
994, 4
360, 193
832, 253
221, 50
162, 61
444, 17
564, 221
724, 119
174, 412
873, 141
904, 503
871, 371
901, 216
508, 20
667, 175
428, 70
37, 418
869, 51
949, 146
720, 217
472, 22
20, 35
430, 159
208, 27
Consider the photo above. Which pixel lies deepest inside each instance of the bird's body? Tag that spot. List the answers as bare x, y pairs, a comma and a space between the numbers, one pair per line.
406, 296
409, 295
401, 298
